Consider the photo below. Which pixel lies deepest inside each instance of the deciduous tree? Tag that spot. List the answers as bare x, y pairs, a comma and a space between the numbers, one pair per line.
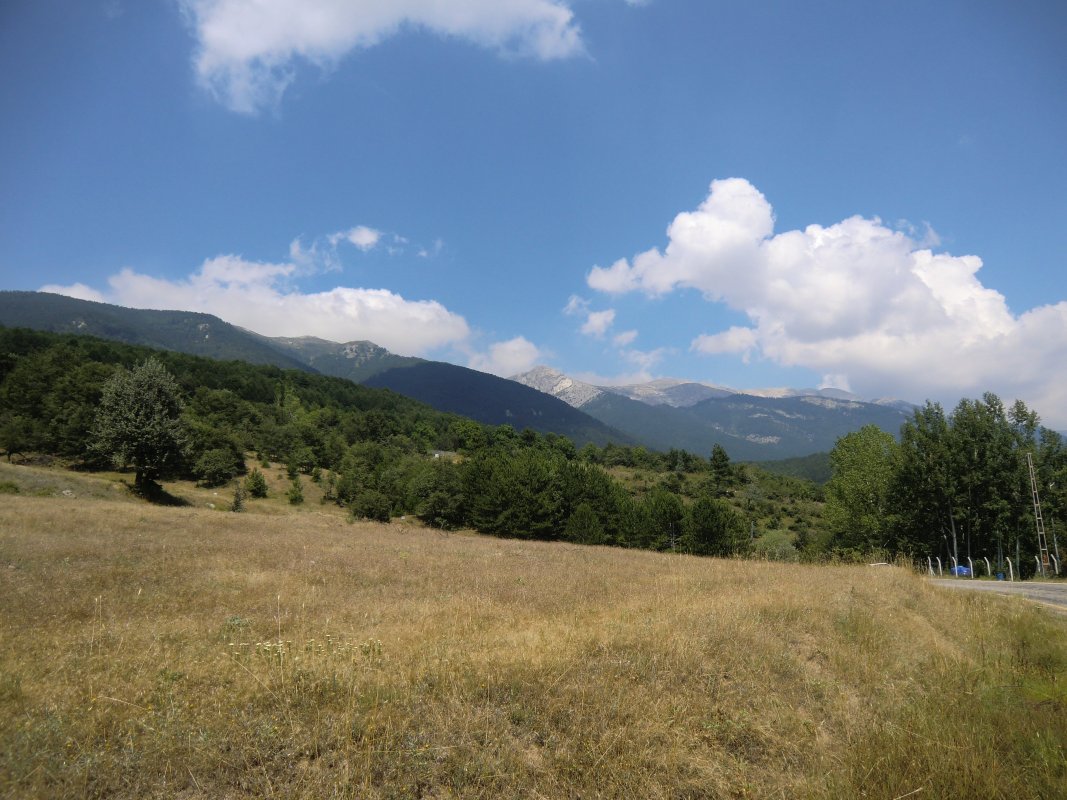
138, 422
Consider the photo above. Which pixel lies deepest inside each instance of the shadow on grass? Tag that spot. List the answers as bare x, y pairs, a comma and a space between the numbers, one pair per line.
157, 495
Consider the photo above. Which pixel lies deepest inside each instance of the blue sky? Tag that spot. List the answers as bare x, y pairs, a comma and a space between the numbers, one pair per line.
864, 195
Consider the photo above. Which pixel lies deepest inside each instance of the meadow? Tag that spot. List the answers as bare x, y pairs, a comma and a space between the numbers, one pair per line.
153, 651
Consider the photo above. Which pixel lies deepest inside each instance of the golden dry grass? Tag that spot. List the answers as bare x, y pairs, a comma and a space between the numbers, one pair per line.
185, 652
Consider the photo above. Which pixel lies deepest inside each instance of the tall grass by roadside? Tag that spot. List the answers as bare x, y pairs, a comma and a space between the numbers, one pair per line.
161, 652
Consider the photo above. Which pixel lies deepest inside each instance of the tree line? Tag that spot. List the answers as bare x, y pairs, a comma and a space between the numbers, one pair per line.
955, 485
377, 453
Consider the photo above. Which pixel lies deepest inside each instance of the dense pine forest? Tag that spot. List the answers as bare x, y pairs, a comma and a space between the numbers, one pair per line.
949, 484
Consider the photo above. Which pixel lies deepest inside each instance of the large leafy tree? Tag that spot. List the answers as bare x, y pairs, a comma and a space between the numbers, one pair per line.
962, 487
857, 496
138, 422
924, 486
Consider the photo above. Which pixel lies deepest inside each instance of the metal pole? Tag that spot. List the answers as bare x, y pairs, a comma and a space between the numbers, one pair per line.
988, 571
955, 567
972, 566
940, 574
930, 565
1056, 562
1011, 571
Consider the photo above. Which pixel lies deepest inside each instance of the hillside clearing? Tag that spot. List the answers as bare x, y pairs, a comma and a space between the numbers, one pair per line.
161, 652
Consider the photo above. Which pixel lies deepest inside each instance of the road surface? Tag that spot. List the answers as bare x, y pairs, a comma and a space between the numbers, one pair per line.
1049, 594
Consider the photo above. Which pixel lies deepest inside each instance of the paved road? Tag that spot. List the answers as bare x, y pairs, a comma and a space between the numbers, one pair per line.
1046, 593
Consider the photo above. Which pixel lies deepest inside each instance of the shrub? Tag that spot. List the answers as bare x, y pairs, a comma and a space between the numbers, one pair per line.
296, 492
256, 484
238, 504
371, 504
216, 466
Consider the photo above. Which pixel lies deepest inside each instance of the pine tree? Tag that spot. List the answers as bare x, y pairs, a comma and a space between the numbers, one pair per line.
238, 504
256, 484
296, 492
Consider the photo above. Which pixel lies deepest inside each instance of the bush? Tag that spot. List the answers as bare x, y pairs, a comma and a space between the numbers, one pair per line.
371, 504
216, 466
256, 484
296, 492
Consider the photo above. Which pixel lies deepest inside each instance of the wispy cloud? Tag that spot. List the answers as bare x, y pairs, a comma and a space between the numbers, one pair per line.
361, 236
597, 323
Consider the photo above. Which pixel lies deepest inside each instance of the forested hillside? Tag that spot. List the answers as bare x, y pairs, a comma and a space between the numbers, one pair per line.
376, 452
183, 331
954, 484
446, 387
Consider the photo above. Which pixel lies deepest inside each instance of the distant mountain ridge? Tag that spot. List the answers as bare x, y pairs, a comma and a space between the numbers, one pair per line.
182, 331
356, 361
482, 397
660, 414
672, 391
486, 398
760, 425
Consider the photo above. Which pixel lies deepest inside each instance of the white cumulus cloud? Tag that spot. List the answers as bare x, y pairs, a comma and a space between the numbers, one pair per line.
508, 358
868, 306
261, 296
247, 49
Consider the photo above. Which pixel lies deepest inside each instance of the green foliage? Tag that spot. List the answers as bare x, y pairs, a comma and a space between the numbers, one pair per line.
503, 481
371, 504
584, 526
329, 486
857, 496
138, 421
296, 492
722, 473
714, 528
957, 484
18, 435
667, 515
216, 467
238, 504
815, 468
256, 484
439, 493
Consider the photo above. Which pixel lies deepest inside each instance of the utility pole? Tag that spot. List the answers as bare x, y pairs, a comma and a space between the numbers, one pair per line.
955, 549
1042, 542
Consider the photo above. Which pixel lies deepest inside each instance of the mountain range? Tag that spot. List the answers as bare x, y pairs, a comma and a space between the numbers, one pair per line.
662, 414
770, 424
447, 387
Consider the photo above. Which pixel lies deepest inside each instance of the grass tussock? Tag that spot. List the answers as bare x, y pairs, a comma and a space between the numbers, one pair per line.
182, 652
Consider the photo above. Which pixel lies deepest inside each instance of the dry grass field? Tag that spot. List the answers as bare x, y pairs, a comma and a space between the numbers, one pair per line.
186, 652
